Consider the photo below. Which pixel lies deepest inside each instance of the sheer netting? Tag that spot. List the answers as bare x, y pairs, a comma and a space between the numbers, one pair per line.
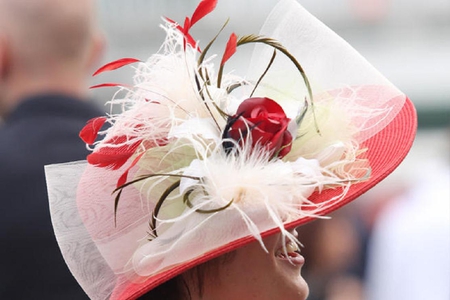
337, 72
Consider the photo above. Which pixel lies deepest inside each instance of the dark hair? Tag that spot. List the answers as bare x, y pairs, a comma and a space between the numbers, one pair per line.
184, 285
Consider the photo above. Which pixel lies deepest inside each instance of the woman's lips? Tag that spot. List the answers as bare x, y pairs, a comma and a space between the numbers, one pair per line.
291, 253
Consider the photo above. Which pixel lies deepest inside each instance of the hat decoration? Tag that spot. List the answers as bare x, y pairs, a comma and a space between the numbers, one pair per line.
199, 158
188, 110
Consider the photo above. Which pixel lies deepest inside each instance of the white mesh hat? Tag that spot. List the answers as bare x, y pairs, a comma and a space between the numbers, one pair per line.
201, 162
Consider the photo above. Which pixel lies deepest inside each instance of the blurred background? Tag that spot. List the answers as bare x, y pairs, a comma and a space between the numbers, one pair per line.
394, 242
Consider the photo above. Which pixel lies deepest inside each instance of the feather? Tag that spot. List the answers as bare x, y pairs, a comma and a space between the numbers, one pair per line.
123, 178
109, 84
116, 65
114, 157
230, 48
187, 25
276, 45
203, 8
187, 37
90, 131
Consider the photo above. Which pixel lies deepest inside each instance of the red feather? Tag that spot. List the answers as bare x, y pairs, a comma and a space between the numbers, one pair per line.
113, 157
187, 26
109, 84
123, 178
187, 37
90, 131
116, 64
230, 49
203, 8
190, 40
173, 22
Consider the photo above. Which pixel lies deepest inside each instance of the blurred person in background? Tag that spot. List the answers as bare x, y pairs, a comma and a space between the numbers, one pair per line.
409, 249
47, 51
334, 250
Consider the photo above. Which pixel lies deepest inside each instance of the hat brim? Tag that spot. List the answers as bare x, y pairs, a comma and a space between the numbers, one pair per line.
385, 151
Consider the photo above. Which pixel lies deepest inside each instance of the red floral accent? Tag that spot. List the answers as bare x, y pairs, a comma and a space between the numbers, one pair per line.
264, 123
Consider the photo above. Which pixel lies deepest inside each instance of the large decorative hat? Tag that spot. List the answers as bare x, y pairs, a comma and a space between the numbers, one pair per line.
202, 161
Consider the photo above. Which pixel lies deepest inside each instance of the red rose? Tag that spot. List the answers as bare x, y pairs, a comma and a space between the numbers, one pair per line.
267, 123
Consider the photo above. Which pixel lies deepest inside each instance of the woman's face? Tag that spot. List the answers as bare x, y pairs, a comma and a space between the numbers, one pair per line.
253, 273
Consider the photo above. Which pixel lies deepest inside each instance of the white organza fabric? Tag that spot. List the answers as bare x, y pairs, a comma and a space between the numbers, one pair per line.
335, 69
352, 103
77, 246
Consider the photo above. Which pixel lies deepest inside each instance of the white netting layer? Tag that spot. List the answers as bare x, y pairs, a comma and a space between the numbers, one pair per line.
335, 69
79, 250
